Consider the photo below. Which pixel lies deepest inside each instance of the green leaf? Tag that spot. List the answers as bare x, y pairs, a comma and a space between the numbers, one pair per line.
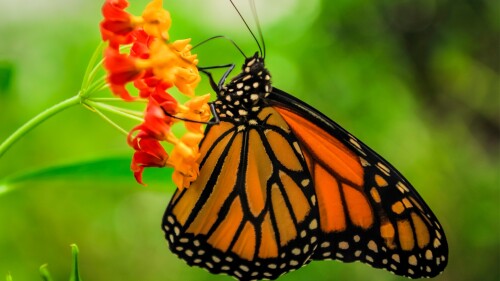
9, 277
44, 271
115, 169
75, 274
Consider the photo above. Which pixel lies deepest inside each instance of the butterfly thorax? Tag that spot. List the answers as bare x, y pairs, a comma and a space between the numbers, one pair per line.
243, 97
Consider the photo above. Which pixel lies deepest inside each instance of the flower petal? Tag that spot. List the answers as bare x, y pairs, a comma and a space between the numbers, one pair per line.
117, 24
157, 21
149, 153
122, 69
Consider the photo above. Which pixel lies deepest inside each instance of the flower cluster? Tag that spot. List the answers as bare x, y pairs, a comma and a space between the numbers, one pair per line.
153, 65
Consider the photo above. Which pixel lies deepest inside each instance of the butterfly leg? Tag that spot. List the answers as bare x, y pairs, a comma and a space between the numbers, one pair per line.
214, 114
224, 77
217, 86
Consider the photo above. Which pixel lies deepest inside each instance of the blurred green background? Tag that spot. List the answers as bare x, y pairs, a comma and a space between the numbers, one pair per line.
418, 81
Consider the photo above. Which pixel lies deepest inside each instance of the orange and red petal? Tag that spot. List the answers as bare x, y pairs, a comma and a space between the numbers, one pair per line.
149, 153
121, 91
165, 101
121, 69
149, 85
156, 124
117, 24
141, 44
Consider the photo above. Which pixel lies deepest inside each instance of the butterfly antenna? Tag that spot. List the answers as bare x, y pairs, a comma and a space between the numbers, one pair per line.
248, 27
223, 37
257, 22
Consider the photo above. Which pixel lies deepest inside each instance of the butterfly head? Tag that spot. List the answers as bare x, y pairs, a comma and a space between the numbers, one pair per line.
253, 64
244, 95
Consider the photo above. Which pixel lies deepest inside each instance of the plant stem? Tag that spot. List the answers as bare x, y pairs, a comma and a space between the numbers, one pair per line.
103, 116
115, 99
116, 110
28, 126
95, 87
89, 72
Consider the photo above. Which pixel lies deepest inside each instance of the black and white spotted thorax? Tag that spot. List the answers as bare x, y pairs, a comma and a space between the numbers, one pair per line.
244, 96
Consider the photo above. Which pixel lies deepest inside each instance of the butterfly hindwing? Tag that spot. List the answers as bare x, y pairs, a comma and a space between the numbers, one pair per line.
368, 211
251, 213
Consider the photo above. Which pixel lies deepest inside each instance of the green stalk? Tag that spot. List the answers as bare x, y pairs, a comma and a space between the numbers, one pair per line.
107, 119
89, 72
131, 114
31, 124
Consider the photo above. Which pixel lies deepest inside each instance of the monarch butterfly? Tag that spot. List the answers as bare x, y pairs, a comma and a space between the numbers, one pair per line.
281, 185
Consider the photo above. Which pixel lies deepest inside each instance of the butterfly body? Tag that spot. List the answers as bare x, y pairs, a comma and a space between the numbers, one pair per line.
281, 184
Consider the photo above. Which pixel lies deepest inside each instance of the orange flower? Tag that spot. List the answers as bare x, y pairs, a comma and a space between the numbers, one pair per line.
118, 25
163, 64
153, 66
156, 21
121, 69
175, 64
156, 124
196, 109
149, 85
170, 63
184, 160
141, 44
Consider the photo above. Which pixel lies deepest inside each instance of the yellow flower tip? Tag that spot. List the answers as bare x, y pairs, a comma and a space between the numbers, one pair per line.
186, 88
198, 102
183, 180
142, 64
182, 45
174, 63
178, 179
196, 109
192, 139
184, 158
199, 105
182, 108
171, 138
157, 20
184, 150
136, 21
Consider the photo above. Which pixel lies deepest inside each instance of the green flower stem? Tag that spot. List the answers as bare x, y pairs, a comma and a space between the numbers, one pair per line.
90, 71
106, 118
93, 73
116, 99
28, 126
130, 112
95, 87
117, 110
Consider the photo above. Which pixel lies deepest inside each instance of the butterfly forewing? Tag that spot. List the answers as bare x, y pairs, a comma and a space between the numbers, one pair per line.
368, 211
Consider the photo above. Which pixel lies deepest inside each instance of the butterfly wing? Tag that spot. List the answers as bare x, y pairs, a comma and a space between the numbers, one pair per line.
251, 213
368, 211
